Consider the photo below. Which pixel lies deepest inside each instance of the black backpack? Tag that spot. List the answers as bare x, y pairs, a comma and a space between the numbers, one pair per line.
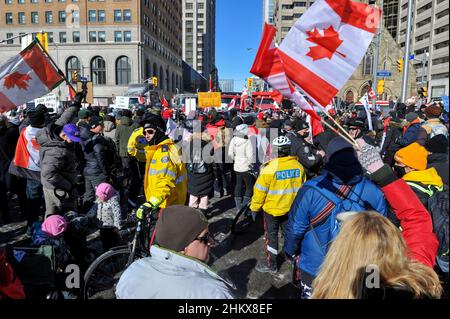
197, 166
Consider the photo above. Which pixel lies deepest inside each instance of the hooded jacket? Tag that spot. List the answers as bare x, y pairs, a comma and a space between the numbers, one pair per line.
241, 150
169, 275
411, 134
165, 181
95, 148
307, 154
123, 133
390, 145
137, 145
110, 130
58, 160
440, 162
427, 179
9, 134
199, 184
310, 205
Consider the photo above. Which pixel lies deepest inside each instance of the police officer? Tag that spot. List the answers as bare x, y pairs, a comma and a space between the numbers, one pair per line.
274, 192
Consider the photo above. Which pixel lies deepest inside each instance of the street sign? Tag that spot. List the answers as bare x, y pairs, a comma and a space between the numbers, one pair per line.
209, 99
384, 73
83, 79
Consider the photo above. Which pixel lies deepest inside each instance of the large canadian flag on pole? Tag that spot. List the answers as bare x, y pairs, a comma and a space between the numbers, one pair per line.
27, 76
269, 67
326, 45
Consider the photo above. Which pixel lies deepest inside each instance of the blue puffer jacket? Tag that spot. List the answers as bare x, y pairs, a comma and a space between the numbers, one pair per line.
310, 205
410, 135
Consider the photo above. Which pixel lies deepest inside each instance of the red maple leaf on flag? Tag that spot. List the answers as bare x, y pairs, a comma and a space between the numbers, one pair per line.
327, 44
17, 79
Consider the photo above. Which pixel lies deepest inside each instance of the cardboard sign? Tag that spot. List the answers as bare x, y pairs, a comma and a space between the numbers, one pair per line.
209, 99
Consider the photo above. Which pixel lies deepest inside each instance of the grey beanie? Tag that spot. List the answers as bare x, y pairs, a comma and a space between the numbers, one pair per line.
411, 117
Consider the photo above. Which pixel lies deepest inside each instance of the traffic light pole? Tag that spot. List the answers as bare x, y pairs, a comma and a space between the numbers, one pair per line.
375, 61
407, 49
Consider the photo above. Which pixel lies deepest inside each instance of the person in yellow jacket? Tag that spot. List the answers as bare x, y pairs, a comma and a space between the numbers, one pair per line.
274, 192
165, 181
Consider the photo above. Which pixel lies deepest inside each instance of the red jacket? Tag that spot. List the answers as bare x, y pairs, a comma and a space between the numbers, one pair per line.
415, 221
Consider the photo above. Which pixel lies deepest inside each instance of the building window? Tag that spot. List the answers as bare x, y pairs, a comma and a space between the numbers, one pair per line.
117, 36
117, 15
367, 64
8, 1
101, 16
92, 36
62, 16
127, 15
101, 36
76, 36
441, 29
72, 64
50, 37
62, 37
127, 36
200, 6
48, 17
20, 1
34, 1
92, 16
9, 35
9, 18
75, 16
98, 71
34, 17
123, 71
438, 91
189, 6
21, 18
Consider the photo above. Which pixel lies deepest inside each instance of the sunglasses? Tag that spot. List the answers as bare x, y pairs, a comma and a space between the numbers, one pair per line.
149, 131
207, 239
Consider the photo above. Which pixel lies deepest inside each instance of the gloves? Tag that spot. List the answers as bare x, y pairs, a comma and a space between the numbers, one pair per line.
369, 157
143, 210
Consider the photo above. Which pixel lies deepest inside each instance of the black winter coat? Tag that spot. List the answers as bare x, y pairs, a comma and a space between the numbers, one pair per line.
200, 184
9, 135
440, 163
95, 149
306, 153
390, 146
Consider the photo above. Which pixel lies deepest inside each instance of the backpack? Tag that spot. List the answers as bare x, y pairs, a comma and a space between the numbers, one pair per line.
197, 166
438, 207
343, 199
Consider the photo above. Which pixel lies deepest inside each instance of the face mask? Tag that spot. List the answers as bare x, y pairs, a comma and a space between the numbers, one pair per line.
400, 171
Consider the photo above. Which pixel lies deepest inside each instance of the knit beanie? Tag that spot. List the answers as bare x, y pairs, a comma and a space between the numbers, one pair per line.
414, 156
438, 144
178, 226
433, 111
37, 118
54, 225
411, 117
105, 191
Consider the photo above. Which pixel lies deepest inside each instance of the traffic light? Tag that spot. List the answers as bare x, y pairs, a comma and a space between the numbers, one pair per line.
380, 87
400, 65
43, 39
74, 76
250, 83
155, 81
423, 91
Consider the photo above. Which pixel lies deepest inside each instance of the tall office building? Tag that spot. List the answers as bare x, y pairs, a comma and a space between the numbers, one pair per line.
268, 11
226, 85
199, 30
112, 43
429, 41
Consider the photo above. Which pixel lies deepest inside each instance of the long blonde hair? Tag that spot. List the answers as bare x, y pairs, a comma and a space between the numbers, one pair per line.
371, 239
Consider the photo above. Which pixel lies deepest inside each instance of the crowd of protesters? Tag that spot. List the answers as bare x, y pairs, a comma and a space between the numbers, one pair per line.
341, 208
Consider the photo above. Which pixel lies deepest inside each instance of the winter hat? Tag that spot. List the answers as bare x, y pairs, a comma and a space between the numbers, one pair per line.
73, 132
54, 225
105, 191
127, 113
178, 226
438, 144
154, 121
336, 145
414, 156
300, 124
411, 117
433, 111
241, 130
37, 118
249, 120
260, 116
95, 121
84, 114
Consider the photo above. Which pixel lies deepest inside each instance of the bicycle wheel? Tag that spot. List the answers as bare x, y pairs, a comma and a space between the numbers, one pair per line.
102, 276
242, 221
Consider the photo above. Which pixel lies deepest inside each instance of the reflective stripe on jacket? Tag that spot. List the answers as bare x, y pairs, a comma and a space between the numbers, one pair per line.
138, 145
165, 175
277, 186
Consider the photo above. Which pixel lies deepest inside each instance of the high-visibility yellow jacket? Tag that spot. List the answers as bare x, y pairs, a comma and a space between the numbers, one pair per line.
138, 145
277, 186
165, 175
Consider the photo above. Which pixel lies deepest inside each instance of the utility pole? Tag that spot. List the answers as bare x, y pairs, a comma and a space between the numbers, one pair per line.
407, 53
376, 60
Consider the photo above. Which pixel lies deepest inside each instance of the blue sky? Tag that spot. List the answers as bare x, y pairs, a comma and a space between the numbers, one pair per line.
238, 27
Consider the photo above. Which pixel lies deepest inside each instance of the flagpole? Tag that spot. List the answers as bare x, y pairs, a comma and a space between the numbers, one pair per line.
351, 141
339, 125
55, 65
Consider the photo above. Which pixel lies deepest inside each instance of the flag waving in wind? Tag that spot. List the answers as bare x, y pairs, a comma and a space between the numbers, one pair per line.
27, 76
269, 67
326, 45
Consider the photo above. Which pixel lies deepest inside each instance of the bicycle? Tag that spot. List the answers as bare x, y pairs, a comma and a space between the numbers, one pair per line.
243, 220
104, 273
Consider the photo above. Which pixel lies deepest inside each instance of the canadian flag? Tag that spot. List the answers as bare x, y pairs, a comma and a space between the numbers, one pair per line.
372, 94
72, 93
244, 97
326, 45
164, 102
268, 66
330, 109
232, 104
25, 77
